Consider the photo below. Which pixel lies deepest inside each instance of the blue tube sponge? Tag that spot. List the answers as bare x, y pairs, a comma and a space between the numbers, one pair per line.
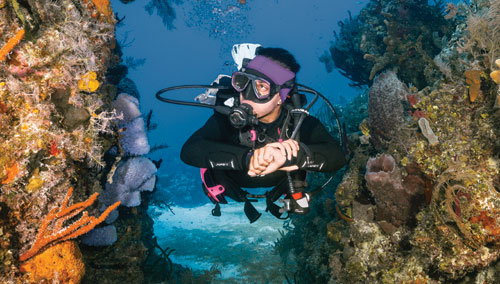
102, 236
134, 140
131, 177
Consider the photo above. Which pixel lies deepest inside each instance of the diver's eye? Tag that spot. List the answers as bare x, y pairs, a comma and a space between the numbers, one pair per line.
262, 87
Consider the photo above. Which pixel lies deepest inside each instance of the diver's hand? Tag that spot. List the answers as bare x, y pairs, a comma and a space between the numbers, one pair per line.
289, 168
266, 160
259, 161
278, 160
291, 147
288, 148
272, 157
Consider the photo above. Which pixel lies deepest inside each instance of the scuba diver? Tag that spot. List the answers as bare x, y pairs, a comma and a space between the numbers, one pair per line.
264, 138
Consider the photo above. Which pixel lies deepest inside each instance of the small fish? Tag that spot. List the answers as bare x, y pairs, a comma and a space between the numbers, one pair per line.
365, 128
359, 2
232, 8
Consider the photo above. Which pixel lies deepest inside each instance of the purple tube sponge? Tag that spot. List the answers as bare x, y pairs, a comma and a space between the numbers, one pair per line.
131, 177
102, 236
397, 200
134, 140
128, 107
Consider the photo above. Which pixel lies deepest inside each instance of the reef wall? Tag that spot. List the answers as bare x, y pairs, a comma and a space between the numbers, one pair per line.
62, 142
54, 119
420, 199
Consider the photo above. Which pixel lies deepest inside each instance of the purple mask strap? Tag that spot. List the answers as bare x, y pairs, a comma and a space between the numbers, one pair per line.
277, 73
283, 93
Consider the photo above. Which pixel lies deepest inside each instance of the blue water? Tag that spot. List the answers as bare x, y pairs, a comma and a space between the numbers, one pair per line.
195, 52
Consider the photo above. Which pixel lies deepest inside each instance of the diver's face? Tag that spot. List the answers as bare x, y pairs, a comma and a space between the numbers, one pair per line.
265, 112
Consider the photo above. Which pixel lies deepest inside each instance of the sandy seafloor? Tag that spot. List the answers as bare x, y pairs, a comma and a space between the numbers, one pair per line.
233, 244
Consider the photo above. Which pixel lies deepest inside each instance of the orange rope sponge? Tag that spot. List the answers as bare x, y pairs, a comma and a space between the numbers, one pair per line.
57, 234
11, 44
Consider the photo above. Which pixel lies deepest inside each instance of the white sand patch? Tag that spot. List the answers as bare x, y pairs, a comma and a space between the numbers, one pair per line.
201, 240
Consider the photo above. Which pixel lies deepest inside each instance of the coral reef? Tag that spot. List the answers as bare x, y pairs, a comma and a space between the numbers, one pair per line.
444, 144
401, 35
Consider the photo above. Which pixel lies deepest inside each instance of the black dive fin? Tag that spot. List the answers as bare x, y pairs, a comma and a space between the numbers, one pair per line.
275, 210
216, 210
251, 212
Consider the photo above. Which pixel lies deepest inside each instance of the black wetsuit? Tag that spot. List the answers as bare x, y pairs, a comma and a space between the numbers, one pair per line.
217, 146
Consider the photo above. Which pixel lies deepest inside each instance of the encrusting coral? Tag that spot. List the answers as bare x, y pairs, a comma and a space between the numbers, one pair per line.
473, 79
61, 263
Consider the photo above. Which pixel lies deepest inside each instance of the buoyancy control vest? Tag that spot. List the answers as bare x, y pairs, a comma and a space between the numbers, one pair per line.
259, 135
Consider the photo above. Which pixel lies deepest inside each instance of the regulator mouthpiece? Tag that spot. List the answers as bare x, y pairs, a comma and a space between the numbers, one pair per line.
242, 116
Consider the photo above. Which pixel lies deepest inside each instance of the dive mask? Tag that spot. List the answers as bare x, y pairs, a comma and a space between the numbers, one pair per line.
267, 78
260, 90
